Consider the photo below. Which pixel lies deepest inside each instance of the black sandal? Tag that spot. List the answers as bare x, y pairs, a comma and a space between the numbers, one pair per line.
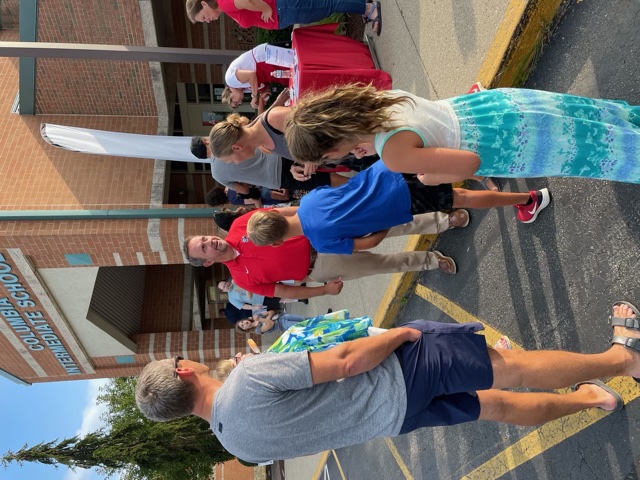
632, 343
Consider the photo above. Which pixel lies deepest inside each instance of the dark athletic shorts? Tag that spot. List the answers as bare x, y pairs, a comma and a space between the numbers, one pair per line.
442, 372
318, 179
428, 198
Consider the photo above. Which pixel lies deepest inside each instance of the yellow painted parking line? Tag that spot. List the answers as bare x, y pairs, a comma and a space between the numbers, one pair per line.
398, 458
548, 435
323, 460
459, 314
335, 455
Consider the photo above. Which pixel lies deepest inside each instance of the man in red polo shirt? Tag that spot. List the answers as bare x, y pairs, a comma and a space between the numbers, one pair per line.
261, 269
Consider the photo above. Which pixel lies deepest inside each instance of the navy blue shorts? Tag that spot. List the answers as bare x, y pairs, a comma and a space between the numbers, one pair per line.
442, 372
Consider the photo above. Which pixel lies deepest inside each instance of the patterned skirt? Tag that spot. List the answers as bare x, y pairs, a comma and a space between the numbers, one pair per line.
322, 332
531, 133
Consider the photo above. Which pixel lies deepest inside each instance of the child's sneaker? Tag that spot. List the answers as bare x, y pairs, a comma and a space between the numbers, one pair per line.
539, 200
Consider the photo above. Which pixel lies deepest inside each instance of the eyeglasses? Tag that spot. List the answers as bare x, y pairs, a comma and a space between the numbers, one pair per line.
176, 359
236, 104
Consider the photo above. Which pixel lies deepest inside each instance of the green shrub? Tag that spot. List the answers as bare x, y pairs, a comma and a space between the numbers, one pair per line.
273, 36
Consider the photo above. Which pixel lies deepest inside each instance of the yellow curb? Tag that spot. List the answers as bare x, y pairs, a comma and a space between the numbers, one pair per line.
524, 28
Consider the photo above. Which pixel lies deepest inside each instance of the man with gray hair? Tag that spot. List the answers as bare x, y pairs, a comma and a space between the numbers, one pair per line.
423, 374
263, 270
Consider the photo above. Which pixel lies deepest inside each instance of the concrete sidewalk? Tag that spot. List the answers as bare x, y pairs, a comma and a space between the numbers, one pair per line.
436, 50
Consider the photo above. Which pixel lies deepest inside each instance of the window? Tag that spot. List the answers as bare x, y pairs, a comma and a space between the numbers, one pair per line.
124, 359
75, 259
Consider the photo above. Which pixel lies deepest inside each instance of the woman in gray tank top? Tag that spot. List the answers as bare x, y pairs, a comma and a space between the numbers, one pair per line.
236, 139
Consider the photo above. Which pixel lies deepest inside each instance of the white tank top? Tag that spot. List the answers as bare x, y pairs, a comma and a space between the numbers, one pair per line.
434, 121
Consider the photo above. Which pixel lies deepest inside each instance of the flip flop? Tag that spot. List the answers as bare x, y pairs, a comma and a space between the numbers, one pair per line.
484, 181
378, 20
507, 342
365, 16
631, 343
606, 388
460, 212
452, 264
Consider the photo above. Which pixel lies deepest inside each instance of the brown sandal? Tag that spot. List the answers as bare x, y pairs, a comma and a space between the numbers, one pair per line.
451, 267
461, 215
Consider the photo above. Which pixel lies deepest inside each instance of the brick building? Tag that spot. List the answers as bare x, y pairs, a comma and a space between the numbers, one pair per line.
85, 290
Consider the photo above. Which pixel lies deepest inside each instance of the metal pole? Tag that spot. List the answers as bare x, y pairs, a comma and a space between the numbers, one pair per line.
117, 52
129, 214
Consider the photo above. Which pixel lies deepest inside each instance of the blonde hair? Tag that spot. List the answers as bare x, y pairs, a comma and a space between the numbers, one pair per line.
194, 7
322, 120
224, 367
225, 134
226, 96
266, 228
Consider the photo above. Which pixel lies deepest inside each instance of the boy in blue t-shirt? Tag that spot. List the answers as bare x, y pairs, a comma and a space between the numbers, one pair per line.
358, 214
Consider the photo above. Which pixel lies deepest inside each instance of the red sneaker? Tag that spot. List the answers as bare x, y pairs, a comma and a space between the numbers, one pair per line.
476, 87
529, 213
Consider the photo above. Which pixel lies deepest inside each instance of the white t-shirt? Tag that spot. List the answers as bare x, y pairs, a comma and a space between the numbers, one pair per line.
246, 61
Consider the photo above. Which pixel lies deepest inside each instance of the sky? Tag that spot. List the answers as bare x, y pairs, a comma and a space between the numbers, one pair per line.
45, 412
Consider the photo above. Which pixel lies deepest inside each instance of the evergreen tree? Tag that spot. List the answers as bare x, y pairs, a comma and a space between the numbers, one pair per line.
131, 445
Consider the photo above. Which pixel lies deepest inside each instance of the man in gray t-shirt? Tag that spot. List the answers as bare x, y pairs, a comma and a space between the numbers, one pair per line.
276, 406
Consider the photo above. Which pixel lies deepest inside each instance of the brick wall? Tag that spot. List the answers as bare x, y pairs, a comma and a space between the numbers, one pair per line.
90, 87
9, 14
35, 175
27, 328
233, 470
47, 242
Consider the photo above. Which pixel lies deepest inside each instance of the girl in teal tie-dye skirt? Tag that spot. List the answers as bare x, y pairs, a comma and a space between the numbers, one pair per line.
503, 133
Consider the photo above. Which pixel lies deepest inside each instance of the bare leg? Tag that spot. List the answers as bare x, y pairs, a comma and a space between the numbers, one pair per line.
535, 408
463, 198
557, 369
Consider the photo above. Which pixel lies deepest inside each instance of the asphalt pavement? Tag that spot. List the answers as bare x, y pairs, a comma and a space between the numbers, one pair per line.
547, 285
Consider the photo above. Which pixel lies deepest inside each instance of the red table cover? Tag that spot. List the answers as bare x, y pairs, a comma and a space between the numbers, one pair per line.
325, 59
